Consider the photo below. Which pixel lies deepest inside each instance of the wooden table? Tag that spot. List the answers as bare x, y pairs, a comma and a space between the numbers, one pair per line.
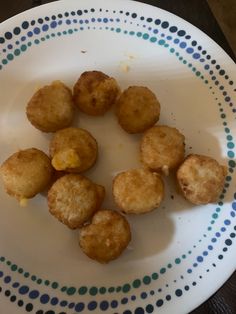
224, 301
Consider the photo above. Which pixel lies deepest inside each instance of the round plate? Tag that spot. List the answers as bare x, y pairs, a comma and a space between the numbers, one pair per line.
180, 254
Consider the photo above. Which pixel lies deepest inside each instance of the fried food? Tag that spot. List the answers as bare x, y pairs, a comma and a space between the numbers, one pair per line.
138, 191
201, 179
95, 92
26, 173
162, 148
106, 237
73, 199
137, 109
51, 108
73, 150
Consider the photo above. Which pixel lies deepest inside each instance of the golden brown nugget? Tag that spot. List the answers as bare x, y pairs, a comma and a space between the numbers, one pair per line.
162, 148
73, 150
95, 92
73, 199
26, 173
201, 179
137, 109
106, 237
51, 108
138, 191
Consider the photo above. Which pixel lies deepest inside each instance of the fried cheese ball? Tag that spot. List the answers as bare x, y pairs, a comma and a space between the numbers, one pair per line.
106, 237
73, 150
201, 179
137, 109
26, 173
95, 92
51, 108
73, 199
138, 191
162, 148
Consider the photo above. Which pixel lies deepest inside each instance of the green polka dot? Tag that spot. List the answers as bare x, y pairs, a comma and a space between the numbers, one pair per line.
139, 34
136, 283
118, 30
181, 58
111, 289
63, 289
93, 291
23, 48
47, 282
232, 163
59, 34
33, 277
177, 261
172, 50
102, 290
229, 137
177, 54
146, 280
26, 274
64, 32
17, 52
206, 82
230, 145
183, 256
20, 270
131, 33
48, 36
39, 281
193, 69
118, 289
29, 44
2, 259
70, 31
153, 39
209, 228
82, 290
169, 265
184, 62
126, 288
14, 267
190, 65
198, 73
9, 263
145, 36
4, 61
223, 116
71, 290
10, 57
230, 154
228, 178
42, 39
215, 216
162, 270
161, 42
55, 285
189, 252
155, 276
212, 222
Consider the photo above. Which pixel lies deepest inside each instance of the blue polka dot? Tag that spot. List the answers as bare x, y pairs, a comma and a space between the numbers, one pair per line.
114, 304
173, 29
143, 295
71, 305
23, 38
25, 25
15, 284
165, 25
30, 34
195, 265
79, 307
68, 22
124, 301
53, 24
227, 222
183, 44
7, 279
223, 229
105, 20
92, 305
104, 305
196, 55
139, 310
232, 214
33, 294
23, 289
213, 240
189, 271
176, 40
63, 303
8, 35
210, 247
159, 303
181, 33
217, 234
37, 30
133, 297
234, 205
205, 253
45, 27
189, 50
178, 292
44, 298
200, 259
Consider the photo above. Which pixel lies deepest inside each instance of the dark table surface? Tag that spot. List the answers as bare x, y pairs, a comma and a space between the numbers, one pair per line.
199, 14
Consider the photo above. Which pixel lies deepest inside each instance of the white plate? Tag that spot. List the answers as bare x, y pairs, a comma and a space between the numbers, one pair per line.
180, 254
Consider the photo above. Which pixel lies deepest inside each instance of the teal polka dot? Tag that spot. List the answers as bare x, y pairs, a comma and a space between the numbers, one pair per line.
82, 290
209, 228
230, 154
139, 34
155, 276
126, 288
230, 145
71, 290
33, 277
228, 178
4, 61
145, 36
218, 209
215, 216
29, 44
93, 291
177, 261
146, 280
36, 41
162, 270
169, 265
136, 283
118, 289
229, 137
161, 42
153, 39
102, 290
111, 289
55, 285
17, 52
131, 33
23, 48
70, 31
118, 30
10, 57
